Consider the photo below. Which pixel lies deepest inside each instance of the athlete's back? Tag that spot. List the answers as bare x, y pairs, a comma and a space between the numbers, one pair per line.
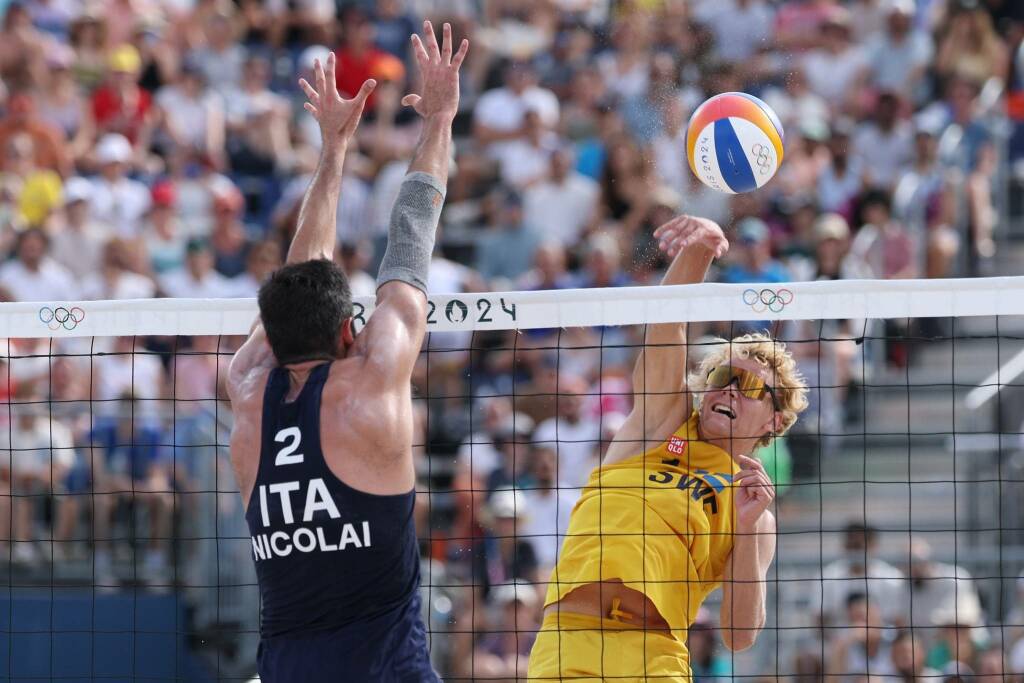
322, 437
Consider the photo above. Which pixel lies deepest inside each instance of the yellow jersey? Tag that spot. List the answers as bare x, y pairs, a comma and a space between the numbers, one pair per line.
661, 522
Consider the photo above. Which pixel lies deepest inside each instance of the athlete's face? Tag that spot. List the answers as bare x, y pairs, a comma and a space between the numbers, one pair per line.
727, 414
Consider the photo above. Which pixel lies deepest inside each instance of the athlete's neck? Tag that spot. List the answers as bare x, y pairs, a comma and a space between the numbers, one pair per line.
732, 446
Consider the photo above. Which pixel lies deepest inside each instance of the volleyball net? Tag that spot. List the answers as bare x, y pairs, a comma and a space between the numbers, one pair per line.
900, 503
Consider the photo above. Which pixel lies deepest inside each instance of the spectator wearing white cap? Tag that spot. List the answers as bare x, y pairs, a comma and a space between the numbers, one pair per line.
33, 275
77, 238
118, 202
504, 554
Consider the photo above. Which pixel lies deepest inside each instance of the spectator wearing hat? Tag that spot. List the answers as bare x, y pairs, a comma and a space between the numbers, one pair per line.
120, 105
561, 206
77, 239
33, 275
602, 262
502, 649
197, 279
163, 238
191, 116
48, 142
503, 554
511, 441
755, 262
118, 201
505, 252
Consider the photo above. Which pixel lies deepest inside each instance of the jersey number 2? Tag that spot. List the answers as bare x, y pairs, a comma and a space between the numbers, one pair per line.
287, 455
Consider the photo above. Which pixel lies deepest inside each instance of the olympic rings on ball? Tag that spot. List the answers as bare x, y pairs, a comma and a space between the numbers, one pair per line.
763, 157
767, 299
56, 318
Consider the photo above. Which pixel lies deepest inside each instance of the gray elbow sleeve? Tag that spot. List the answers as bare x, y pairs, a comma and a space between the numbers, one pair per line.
411, 233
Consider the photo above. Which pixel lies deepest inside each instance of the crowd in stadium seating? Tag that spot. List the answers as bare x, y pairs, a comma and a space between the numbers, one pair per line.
160, 149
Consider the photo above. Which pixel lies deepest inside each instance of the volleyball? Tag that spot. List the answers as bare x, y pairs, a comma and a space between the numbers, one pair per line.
734, 143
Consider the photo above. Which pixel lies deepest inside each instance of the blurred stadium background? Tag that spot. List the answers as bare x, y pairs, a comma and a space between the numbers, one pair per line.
159, 149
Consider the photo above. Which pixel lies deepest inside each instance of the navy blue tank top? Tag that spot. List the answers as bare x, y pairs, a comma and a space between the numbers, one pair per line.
338, 569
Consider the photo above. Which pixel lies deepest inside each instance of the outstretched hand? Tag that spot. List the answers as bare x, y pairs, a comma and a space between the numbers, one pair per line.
689, 231
439, 74
338, 117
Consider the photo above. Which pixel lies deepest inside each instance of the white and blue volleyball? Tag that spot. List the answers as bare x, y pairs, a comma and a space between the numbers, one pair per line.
734, 143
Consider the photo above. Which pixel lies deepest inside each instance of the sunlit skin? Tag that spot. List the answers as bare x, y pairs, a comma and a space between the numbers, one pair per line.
754, 418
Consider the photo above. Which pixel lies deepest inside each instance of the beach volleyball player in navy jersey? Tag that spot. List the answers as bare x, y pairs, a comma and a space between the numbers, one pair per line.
322, 438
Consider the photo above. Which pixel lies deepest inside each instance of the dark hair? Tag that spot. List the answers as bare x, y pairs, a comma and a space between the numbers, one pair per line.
870, 532
302, 307
855, 598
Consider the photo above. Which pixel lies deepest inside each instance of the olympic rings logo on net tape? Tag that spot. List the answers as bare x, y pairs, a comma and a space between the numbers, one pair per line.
767, 299
56, 318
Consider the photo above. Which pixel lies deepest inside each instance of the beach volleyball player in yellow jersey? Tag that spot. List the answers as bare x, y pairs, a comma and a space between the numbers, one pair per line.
678, 506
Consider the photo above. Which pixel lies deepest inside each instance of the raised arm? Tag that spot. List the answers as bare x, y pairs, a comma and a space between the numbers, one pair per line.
338, 118
659, 375
392, 338
317, 229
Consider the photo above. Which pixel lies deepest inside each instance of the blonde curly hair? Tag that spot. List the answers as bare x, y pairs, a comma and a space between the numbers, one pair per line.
790, 386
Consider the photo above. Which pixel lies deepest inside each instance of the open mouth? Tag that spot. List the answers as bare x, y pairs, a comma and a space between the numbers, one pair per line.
723, 409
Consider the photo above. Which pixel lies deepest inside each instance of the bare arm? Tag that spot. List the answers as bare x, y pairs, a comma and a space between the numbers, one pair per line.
338, 118
659, 375
392, 338
316, 232
742, 613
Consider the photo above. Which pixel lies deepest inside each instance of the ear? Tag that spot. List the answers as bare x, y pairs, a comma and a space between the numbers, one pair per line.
347, 337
